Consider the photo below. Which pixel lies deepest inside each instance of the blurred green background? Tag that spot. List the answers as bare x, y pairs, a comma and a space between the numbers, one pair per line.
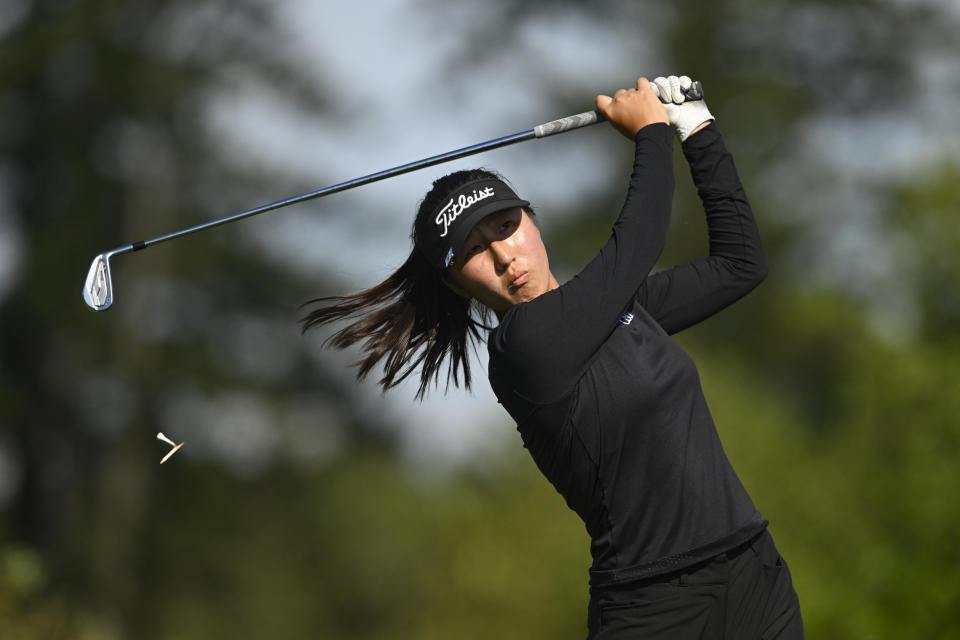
304, 505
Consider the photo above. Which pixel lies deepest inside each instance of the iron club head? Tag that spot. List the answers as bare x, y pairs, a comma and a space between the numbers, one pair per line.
98, 289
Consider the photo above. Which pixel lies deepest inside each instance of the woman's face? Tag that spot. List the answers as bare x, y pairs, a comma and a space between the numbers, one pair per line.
502, 262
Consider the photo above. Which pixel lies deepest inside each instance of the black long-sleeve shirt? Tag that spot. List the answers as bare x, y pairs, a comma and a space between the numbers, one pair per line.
609, 406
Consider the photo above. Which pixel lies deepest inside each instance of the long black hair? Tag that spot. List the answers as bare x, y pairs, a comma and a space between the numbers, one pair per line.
412, 319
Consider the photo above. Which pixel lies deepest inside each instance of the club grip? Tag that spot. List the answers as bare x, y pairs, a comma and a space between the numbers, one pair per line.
570, 122
585, 119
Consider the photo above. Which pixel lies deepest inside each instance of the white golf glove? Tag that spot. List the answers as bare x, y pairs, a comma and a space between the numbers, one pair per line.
684, 116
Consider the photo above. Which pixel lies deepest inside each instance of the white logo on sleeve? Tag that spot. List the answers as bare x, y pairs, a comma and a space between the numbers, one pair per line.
626, 318
453, 209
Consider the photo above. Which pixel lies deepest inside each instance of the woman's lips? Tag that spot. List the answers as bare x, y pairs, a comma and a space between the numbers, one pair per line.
519, 279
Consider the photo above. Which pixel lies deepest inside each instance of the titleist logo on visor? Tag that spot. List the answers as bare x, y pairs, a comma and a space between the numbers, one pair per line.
454, 208
440, 233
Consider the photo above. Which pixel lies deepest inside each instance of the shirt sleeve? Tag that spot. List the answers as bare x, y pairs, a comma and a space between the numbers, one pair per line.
542, 346
680, 297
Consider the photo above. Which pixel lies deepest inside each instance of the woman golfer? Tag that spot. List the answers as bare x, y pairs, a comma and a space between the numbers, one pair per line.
610, 408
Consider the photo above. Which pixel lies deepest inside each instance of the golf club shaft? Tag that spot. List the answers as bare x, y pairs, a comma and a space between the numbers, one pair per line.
553, 127
98, 290
349, 184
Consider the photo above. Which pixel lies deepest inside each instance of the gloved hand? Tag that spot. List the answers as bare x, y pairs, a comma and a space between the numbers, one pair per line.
685, 115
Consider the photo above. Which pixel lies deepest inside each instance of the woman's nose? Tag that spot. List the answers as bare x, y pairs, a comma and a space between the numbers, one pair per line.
501, 252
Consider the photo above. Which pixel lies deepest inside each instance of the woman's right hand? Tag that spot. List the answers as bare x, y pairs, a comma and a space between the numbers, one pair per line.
630, 110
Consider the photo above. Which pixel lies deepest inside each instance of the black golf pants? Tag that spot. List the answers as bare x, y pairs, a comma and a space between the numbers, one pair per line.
744, 594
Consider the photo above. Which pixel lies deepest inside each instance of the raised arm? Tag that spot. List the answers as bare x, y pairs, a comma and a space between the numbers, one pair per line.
684, 295
542, 346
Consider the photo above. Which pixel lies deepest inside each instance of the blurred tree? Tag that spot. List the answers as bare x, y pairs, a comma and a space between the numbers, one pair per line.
926, 216
105, 138
362, 549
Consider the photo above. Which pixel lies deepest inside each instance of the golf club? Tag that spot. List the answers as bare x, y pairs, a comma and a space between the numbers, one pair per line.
98, 288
